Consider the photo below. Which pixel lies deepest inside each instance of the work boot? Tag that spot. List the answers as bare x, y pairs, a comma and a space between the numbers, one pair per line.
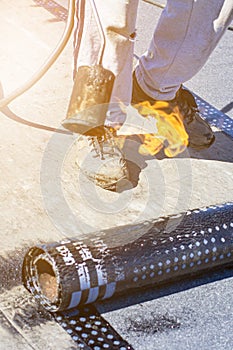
198, 130
101, 160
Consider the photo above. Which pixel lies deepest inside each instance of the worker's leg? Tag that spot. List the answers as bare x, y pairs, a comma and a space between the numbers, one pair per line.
118, 20
186, 34
98, 155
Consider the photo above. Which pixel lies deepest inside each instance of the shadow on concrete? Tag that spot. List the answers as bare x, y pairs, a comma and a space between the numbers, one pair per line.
220, 151
142, 295
227, 108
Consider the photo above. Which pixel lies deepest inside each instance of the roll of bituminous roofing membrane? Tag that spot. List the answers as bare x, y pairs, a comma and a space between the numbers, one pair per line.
75, 272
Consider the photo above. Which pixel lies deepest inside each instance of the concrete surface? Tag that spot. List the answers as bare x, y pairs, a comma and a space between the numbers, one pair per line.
192, 315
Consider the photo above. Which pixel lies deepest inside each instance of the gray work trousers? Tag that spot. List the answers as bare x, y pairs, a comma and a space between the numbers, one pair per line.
184, 37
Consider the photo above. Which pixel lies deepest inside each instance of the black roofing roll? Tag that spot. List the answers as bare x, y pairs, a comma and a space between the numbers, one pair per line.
70, 273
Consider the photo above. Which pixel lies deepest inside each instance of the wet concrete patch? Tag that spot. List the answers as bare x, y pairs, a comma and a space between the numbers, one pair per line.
30, 316
24, 311
11, 269
154, 323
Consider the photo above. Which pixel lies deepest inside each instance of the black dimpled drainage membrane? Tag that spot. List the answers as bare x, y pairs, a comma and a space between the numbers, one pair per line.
215, 117
89, 330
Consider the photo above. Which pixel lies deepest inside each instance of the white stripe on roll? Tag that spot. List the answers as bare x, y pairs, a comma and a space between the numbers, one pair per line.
75, 299
110, 290
93, 295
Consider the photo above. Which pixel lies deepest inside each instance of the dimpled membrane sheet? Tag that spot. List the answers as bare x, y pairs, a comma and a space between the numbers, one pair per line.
89, 330
215, 117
